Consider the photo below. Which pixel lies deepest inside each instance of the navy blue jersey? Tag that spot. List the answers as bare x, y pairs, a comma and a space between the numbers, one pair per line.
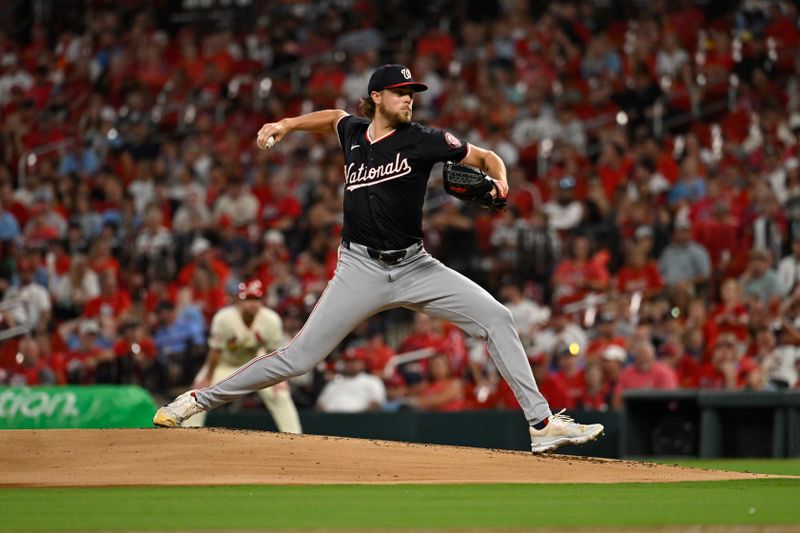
385, 180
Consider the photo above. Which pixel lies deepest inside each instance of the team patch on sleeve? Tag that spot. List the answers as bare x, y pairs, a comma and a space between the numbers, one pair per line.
452, 140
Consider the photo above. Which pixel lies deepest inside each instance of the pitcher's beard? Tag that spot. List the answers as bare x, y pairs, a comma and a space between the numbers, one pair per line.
395, 119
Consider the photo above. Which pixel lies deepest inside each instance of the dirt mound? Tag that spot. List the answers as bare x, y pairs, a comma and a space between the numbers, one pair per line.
223, 457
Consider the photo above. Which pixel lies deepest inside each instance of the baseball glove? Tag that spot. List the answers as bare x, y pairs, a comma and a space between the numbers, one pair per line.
472, 185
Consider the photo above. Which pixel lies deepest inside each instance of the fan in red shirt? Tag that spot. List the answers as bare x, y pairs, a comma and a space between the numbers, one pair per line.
722, 372
644, 373
550, 385
442, 391
424, 335
206, 292
580, 275
682, 362
730, 315
203, 254
29, 367
613, 168
596, 394
377, 354
134, 351
640, 275
81, 362
112, 301
570, 372
284, 209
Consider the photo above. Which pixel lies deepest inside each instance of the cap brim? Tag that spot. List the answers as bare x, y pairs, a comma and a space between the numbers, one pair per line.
415, 86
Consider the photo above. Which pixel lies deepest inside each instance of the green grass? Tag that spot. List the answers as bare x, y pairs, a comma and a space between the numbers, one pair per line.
790, 467
399, 506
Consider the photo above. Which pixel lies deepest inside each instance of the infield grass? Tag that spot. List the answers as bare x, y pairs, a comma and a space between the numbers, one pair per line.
771, 501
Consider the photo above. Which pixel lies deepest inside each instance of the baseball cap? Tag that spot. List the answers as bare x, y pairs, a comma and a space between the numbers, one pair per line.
392, 76
251, 289
613, 352
353, 354
567, 183
199, 245
643, 232
89, 327
606, 317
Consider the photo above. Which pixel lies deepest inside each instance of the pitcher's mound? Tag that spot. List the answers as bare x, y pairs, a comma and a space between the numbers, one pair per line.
224, 457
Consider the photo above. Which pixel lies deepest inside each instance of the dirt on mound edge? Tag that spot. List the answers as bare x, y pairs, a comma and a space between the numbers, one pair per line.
113, 457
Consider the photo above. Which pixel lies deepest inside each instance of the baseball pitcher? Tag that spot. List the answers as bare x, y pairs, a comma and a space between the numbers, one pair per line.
382, 261
238, 333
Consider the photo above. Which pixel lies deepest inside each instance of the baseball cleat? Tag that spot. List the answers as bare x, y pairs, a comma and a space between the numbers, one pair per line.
562, 430
173, 414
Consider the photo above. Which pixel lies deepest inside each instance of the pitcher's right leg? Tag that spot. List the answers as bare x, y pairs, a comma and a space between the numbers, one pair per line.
358, 290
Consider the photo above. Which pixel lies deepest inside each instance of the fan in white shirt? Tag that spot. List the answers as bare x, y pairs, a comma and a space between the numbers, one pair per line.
352, 391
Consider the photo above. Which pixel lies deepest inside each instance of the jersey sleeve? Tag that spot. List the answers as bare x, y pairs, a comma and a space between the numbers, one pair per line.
439, 145
343, 127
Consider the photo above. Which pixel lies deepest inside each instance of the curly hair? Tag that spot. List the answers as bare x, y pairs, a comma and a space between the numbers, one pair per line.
367, 107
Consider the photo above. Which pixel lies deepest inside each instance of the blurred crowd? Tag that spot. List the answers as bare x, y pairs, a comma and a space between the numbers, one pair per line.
652, 238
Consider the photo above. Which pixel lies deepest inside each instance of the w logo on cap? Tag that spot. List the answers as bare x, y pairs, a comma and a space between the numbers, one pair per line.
406, 73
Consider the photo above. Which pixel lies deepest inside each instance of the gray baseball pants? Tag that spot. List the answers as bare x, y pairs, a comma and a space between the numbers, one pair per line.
363, 286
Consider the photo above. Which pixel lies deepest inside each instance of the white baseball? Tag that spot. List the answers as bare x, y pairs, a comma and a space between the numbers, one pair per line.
268, 144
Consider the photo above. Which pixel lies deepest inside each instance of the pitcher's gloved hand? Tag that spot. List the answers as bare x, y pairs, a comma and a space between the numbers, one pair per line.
473, 185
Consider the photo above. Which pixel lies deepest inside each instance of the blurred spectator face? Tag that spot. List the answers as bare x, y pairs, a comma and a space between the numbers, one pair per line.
643, 356
637, 257
606, 324
765, 341
29, 349
724, 352
683, 233
730, 291
26, 271
166, 313
353, 364
580, 248
796, 246
439, 368
567, 363
153, 217
565, 190
108, 282
758, 263
611, 368
201, 279
593, 375
423, 324
88, 332
671, 353
540, 364
697, 311
510, 293
560, 320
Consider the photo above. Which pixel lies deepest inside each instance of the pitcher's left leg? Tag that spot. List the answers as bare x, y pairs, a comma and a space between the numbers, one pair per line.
432, 288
